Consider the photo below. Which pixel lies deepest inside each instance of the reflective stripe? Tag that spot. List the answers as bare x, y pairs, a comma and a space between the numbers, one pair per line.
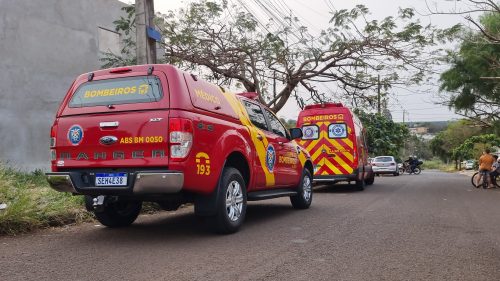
260, 145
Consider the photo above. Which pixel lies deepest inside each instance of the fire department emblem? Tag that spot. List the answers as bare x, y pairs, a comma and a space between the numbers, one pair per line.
75, 134
308, 132
337, 131
270, 157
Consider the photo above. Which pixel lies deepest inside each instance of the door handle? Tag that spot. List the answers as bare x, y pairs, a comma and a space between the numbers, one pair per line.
109, 124
280, 143
259, 137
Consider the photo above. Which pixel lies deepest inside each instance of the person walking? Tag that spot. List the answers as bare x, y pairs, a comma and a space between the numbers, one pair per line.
485, 163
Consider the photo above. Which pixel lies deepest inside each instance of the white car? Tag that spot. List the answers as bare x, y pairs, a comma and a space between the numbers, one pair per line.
385, 165
469, 164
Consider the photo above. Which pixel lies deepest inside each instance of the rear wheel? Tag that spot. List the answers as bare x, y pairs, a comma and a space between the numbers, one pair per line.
303, 198
360, 185
231, 209
496, 181
370, 180
117, 214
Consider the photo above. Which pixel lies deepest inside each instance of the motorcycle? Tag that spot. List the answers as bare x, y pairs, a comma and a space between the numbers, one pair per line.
406, 168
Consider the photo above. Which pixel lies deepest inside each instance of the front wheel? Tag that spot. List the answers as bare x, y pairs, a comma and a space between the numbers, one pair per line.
232, 207
117, 214
303, 198
417, 170
474, 179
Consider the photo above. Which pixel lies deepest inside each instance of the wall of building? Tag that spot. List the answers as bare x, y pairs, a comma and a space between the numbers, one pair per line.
44, 45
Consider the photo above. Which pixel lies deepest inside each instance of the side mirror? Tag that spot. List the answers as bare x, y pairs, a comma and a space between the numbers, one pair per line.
295, 133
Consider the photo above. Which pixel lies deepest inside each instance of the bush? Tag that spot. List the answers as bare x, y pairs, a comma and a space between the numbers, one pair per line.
437, 164
32, 204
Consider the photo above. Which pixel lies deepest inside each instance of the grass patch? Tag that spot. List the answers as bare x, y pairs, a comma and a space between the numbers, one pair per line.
32, 204
437, 164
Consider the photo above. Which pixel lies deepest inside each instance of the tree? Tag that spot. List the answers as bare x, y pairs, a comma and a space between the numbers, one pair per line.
457, 132
466, 149
231, 47
126, 27
384, 137
473, 80
472, 7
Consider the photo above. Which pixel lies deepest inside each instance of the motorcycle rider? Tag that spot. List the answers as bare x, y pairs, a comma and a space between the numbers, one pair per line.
413, 163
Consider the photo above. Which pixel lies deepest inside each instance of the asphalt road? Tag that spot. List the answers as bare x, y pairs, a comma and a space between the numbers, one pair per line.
433, 226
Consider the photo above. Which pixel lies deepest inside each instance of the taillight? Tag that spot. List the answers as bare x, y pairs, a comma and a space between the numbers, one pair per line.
53, 135
180, 137
393, 164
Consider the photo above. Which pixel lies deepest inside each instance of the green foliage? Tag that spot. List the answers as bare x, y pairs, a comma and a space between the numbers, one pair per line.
415, 145
455, 134
226, 44
437, 164
384, 137
464, 151
471, 92
32, 204
126, 27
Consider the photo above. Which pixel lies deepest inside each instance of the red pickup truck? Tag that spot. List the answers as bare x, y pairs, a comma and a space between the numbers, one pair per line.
127, 135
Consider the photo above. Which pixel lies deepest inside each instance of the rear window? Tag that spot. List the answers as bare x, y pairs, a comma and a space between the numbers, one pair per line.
383, 159
138, 89
337, 131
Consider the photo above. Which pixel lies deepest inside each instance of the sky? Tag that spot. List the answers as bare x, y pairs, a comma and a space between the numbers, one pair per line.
418, 102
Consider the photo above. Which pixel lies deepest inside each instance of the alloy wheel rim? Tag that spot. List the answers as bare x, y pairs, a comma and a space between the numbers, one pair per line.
306, 188
234, 201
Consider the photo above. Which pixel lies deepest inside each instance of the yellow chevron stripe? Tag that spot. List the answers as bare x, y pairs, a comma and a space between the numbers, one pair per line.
317, 153
332, 167
347, 154
343, 164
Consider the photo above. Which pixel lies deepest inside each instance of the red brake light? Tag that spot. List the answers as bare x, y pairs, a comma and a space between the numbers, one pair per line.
180, 137
120, 70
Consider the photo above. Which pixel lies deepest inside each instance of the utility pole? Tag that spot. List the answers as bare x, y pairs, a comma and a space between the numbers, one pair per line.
146, 46
378, 96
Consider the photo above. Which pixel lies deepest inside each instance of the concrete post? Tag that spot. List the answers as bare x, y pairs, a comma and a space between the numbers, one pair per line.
146, 47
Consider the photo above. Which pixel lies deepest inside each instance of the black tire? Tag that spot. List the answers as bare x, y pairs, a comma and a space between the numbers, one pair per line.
118, 214
370, 180
474, 180
496, 181
359, 185
232, 189
401, 171
396, 174
417, 171
305, 192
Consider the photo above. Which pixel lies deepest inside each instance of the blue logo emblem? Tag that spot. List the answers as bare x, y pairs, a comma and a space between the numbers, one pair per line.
337, 131
75, 134
270, 157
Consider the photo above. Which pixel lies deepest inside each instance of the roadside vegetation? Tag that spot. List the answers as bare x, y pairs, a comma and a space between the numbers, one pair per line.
438, 164
32, 204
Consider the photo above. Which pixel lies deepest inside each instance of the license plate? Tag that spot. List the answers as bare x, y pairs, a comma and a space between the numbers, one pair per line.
107, 179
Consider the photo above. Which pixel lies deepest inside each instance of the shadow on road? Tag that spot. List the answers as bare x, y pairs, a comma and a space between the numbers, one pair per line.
184, 225
336, 188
